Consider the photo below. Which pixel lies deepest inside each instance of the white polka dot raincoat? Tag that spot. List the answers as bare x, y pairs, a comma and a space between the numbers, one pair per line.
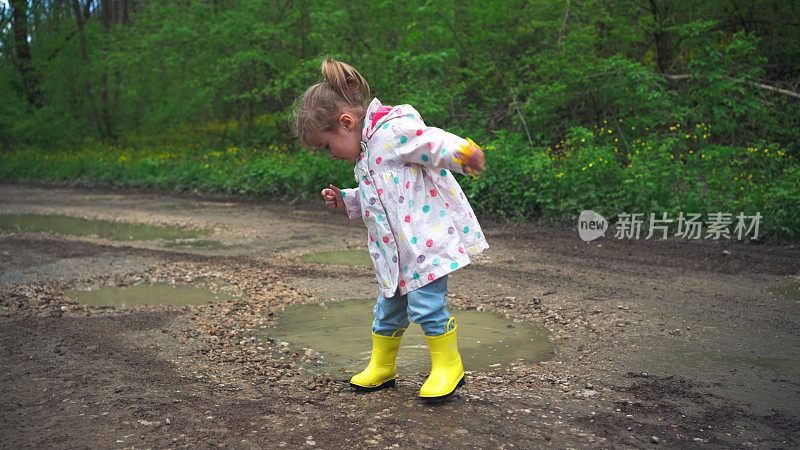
419, 223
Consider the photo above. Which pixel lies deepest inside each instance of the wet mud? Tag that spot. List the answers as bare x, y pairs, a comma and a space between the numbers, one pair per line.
654, 343
152, 294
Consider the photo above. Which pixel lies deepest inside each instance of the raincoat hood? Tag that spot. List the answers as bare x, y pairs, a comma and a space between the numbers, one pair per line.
378, 114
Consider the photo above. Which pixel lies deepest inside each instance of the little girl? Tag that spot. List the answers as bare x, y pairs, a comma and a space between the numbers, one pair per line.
420, 225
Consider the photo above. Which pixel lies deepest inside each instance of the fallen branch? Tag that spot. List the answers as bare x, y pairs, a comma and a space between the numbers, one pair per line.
737, 80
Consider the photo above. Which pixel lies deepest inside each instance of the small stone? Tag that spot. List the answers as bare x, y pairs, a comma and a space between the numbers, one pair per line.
654, 439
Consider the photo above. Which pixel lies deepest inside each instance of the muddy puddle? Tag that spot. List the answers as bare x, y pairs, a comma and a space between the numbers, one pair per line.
193, 205
154, 294
340, 258
203, 244
701, 358
76, 226
787, 292
341, 332
714, 361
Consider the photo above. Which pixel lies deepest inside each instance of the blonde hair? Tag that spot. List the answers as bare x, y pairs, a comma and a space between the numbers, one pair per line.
343, 90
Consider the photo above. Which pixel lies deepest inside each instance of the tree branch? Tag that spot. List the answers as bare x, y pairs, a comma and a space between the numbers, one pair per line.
686, 76
563, 27
515, 101
737, 80
3, 19
283, 10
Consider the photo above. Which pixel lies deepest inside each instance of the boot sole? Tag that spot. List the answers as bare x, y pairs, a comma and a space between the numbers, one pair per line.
460, 383
385, 384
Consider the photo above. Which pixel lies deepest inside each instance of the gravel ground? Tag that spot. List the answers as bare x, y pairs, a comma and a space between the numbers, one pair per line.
657, 343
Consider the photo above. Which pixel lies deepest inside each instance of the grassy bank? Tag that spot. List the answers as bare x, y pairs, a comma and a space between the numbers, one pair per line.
611, 168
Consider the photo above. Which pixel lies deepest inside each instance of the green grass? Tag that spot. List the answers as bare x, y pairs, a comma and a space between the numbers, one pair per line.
611, 169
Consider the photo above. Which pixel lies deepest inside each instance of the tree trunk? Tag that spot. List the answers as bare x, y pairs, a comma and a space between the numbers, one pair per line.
126, 18
80, 15
19, 26
108, 18
662, 38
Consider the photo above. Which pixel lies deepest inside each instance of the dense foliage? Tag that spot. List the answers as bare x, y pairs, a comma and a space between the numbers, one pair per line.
658, 106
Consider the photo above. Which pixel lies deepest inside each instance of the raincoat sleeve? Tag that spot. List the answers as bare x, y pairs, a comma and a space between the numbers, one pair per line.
429, 146
351, 203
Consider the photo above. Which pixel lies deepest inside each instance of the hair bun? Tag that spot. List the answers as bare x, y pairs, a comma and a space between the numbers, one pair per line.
345, 80
343, 90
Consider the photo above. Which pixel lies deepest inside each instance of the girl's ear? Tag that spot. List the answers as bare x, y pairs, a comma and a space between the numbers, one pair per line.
347, 121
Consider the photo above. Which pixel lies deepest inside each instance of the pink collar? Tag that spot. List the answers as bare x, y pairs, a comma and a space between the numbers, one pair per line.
382, 111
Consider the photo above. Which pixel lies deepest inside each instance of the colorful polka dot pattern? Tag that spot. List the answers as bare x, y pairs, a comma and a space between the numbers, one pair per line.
420, 224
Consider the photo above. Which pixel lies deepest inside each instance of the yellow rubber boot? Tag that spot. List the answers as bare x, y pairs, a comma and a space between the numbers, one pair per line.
382, 369
447, 372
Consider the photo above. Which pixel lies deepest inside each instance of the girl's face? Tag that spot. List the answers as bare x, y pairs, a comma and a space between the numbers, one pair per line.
342, 143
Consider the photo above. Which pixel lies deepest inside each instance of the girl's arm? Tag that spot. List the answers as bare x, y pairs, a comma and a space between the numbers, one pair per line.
434, 147
351, 203
347, 199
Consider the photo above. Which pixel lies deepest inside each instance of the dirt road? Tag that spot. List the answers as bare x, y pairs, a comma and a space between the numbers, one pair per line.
656, 343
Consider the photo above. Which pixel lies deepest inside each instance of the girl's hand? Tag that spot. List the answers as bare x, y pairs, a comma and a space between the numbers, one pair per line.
471, 158
333, 197
475, 161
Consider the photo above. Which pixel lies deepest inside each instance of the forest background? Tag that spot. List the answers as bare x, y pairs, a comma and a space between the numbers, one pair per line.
656, 106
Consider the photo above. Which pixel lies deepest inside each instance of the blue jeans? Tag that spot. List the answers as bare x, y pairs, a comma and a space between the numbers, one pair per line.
425, 306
